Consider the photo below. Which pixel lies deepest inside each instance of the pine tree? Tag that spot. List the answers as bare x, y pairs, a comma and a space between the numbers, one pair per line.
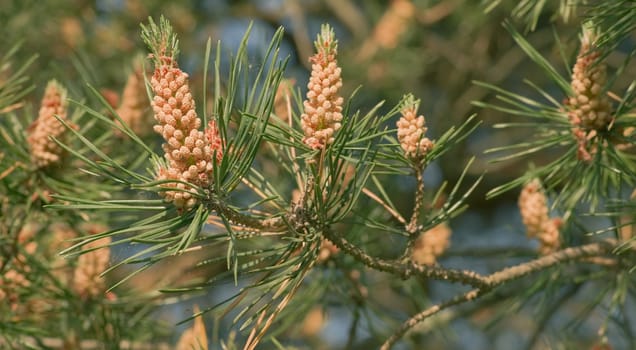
298, 201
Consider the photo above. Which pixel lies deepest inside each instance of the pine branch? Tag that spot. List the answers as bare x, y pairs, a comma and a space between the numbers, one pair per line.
596, 249
406, 270
419, 201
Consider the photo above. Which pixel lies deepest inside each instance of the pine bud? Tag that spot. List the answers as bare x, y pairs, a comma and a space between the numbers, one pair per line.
327, 251
11, 283
323, 107
61, 234
549, 237
45, 151
411, 130
388, 31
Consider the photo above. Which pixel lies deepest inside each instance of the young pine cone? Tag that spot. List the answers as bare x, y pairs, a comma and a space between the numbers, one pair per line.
45, 151
549, 237
411, 130
134, 102
534, 214
590, 107
87, 282
323, 106
189, 151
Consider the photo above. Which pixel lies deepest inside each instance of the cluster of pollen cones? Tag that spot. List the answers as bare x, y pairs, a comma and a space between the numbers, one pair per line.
589, 108
44, 150
322, 116
535, 216
190, 153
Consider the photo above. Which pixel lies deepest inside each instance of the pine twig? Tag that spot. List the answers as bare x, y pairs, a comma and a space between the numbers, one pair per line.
569, 254
406, 270
506, 275
411, 228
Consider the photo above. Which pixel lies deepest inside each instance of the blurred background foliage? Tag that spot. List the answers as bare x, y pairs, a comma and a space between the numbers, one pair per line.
432, 48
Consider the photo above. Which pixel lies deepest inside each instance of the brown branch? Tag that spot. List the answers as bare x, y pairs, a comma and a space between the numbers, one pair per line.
411, 228
568, 254
406, 270
584, 252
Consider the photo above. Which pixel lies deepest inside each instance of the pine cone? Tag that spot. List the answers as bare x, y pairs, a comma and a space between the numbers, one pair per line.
411, 130
534, 214
86, 280
187, 150
590, 106
45, 151
323, 106
134, 103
